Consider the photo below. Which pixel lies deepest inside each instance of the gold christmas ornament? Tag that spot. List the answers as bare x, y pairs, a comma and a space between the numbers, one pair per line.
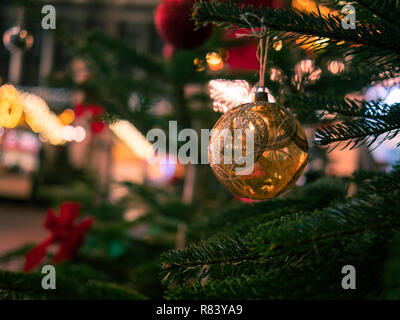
10, 106
279, 153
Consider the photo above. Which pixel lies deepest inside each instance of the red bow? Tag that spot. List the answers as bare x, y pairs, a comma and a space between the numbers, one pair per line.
64, 231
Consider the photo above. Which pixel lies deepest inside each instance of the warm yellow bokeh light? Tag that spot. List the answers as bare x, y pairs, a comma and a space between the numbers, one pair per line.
67, 117
310, 6
10, 106
214, 61
132, 138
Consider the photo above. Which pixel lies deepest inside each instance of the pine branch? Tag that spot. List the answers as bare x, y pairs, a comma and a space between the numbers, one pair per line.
345, 107
372, 119
277, 276
29, 286
187, 262
376, 183
124, 55
295, 22
239, 219
356, 216
235, 250
300, 279
385, 9
16, 253
357, 132
391, 271
286, 240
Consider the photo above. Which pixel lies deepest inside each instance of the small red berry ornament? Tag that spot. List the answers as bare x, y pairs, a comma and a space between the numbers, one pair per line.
173, 23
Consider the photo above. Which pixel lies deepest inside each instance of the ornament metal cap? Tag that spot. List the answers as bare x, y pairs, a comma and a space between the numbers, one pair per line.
261, 94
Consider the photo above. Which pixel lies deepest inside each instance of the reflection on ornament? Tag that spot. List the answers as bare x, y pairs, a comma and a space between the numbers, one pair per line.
280, 150
214, 61
67, 117
246, 200
10, 106
228, 94
278, 45
336, 67
16, 38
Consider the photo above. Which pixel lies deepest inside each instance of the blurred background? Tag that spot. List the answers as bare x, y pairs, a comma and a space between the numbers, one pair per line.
95, 85
25, 154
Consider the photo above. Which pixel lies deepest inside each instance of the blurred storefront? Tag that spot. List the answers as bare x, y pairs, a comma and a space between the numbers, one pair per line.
25, 155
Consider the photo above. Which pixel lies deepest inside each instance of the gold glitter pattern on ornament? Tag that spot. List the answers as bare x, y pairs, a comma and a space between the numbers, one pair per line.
242, 118
280, 150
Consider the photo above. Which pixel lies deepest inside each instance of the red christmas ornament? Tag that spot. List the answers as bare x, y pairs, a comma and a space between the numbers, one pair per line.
173, 23
243, 57
64, 231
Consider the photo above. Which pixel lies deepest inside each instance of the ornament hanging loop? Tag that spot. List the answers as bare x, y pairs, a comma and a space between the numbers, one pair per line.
262, 33
262, 55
